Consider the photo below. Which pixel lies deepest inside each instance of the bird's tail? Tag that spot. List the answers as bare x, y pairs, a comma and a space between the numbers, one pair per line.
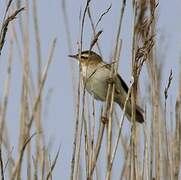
139, 114
139, 111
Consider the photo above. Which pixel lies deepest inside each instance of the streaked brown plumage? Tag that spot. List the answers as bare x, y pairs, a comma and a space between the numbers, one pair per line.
96, 74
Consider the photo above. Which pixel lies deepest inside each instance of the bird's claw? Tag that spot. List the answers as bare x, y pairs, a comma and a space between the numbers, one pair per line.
111, 80
104, 119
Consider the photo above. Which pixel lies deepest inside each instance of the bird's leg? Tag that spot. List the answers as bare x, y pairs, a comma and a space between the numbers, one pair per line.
110, 80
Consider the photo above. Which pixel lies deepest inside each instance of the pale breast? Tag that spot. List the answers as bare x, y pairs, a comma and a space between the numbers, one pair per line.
95, 80
98, 72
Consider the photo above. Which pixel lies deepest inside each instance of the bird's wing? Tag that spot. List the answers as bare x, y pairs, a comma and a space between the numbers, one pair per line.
124, 85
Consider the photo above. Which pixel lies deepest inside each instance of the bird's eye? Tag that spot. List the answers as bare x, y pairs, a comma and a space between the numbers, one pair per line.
84, 57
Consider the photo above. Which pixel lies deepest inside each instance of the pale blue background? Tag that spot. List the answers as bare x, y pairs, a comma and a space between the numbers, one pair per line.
58, 115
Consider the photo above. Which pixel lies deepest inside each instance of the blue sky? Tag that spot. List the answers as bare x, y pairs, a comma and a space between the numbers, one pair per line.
58, 119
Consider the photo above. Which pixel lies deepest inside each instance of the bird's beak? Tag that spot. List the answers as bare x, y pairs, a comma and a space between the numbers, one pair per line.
73, 56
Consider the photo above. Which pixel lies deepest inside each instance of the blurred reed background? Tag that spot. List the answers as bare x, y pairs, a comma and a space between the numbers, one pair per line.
84, 145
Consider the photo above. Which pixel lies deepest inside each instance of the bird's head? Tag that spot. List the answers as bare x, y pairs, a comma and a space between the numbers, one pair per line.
87, 57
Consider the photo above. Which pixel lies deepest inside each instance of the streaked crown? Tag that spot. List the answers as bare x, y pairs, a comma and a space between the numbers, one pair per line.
88, 56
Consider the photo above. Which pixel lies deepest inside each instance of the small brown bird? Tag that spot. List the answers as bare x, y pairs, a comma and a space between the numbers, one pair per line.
96, 77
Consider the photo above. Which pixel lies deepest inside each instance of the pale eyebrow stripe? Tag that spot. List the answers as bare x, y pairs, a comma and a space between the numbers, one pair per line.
84, 57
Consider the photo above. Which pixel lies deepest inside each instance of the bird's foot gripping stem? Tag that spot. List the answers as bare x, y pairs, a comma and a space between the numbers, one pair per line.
111, 80
104, 119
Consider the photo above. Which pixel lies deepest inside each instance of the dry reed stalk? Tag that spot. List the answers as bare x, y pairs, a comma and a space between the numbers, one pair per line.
86, 140
3, 32
145, 28
167, 158
92, 135
6, 93
26, 118
91, 118
124, 171
10, 161
78, 124
145, 172
154, 75
5, 24
77, 139
17, 168
24, 98
177, 134
93, 159
72, 70
83, 121
120, 128
47, 159
43, 79
49, 175
82, 26
140, 53
95, 26
1, 165
133, 153
38, 40
111, 91
40, 136
35, 174
6, 100
177, 144
108, 111
15, 36
29, 166
94, 30
69, 42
